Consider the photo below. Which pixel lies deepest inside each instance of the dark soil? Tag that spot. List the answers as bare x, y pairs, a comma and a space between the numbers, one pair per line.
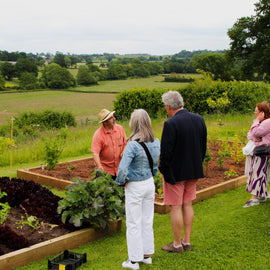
83, 169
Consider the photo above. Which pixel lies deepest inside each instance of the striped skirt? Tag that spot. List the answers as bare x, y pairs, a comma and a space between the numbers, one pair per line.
257, 178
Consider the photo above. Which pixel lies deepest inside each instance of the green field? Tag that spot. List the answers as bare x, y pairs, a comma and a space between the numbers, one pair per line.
83, 102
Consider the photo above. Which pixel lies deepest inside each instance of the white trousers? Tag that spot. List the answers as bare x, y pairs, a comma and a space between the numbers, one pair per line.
139, 204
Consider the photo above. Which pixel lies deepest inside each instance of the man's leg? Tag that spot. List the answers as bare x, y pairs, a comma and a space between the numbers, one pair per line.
177, 223
188, 215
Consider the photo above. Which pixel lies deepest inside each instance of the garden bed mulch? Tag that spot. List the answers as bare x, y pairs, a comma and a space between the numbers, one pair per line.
83, 169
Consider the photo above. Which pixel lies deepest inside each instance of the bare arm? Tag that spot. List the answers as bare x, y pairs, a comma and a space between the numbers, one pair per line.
97, 161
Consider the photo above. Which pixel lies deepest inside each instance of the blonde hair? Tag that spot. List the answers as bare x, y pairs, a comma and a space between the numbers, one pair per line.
140, 126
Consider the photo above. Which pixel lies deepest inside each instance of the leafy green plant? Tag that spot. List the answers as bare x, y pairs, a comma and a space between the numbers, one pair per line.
158, 181
53, 148
4, 208
207, 158
219, 105
236, 150
94, 203
223, 154
71, 167
31, 221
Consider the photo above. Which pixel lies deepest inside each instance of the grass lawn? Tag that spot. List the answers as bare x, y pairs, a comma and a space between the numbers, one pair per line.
225, 236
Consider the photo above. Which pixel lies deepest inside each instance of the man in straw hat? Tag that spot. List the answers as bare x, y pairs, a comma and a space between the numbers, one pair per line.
108, 143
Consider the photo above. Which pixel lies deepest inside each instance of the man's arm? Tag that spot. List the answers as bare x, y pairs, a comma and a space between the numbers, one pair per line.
97, 161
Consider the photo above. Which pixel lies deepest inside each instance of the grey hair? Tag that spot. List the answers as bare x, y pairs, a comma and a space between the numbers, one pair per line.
173, 99
140, 126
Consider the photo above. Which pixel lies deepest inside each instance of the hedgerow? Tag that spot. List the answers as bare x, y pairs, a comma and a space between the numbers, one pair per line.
148, 99
243, 97
45, 120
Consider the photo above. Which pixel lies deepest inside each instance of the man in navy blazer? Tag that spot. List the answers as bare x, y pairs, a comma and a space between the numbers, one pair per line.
183, 148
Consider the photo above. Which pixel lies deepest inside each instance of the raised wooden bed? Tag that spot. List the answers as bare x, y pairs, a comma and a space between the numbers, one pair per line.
53, 246
160, 208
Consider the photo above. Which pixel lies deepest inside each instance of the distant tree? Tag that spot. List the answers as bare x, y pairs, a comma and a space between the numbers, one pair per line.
215, 63
4, 55
60, 59
28, 81
25, 65
117, 72
85, 77
40, 61
251, 43
2, 82
55, 76
74, 60
67, 61
7, 70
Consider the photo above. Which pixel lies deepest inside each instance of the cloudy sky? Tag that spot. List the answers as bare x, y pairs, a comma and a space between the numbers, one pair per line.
119, 26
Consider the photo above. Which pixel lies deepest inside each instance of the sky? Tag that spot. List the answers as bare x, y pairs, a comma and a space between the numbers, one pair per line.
153, 27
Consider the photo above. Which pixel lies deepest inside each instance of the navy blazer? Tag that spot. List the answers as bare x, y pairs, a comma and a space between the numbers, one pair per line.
183, 147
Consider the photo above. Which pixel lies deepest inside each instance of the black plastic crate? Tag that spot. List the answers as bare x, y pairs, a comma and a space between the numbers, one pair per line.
67, 261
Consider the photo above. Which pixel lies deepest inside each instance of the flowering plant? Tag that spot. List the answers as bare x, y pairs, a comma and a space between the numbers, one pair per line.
231, 173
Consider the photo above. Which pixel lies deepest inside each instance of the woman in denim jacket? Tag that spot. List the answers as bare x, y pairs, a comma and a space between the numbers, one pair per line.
135, 174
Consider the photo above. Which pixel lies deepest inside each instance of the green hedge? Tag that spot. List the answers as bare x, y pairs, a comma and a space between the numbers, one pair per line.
140, 98
243, 97
45, 120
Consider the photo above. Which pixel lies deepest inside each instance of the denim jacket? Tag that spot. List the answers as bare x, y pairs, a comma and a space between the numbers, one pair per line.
134, 165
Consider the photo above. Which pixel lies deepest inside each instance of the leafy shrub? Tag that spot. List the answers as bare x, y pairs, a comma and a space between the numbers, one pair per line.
236, 150
57, 77
92, 202
144, 98
177, 78
198, 97
242, 96
45, 120
5, 143
28, 81
53, 148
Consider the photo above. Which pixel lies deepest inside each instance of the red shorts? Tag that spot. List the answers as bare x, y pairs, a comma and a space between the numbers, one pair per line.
180, 192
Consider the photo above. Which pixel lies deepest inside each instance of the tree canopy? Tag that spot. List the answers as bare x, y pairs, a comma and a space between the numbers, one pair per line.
251, 41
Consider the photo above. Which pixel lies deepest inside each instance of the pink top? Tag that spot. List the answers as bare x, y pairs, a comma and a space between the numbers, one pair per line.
110, 146
258, 130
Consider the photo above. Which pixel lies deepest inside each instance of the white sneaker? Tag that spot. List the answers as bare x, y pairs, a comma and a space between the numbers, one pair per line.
129, 264
251, 202
147, 260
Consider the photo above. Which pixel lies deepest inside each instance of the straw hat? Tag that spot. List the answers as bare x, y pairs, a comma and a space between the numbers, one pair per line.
105, 115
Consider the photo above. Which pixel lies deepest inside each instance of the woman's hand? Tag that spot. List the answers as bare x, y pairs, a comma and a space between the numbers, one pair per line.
260, 116
258, 139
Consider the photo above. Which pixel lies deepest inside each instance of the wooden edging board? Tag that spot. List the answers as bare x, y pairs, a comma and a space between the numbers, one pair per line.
26, 174
207, 192
54, 246
159, 207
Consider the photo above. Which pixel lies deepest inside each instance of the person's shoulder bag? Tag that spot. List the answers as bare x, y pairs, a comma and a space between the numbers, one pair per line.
262, 150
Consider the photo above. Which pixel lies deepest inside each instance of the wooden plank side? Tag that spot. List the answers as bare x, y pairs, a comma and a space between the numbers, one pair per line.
43, 179
54, 246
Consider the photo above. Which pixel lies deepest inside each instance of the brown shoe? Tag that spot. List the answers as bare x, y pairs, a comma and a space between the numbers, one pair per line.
171, 248
186, 247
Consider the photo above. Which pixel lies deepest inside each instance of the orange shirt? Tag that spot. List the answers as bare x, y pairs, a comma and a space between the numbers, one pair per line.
110, 147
